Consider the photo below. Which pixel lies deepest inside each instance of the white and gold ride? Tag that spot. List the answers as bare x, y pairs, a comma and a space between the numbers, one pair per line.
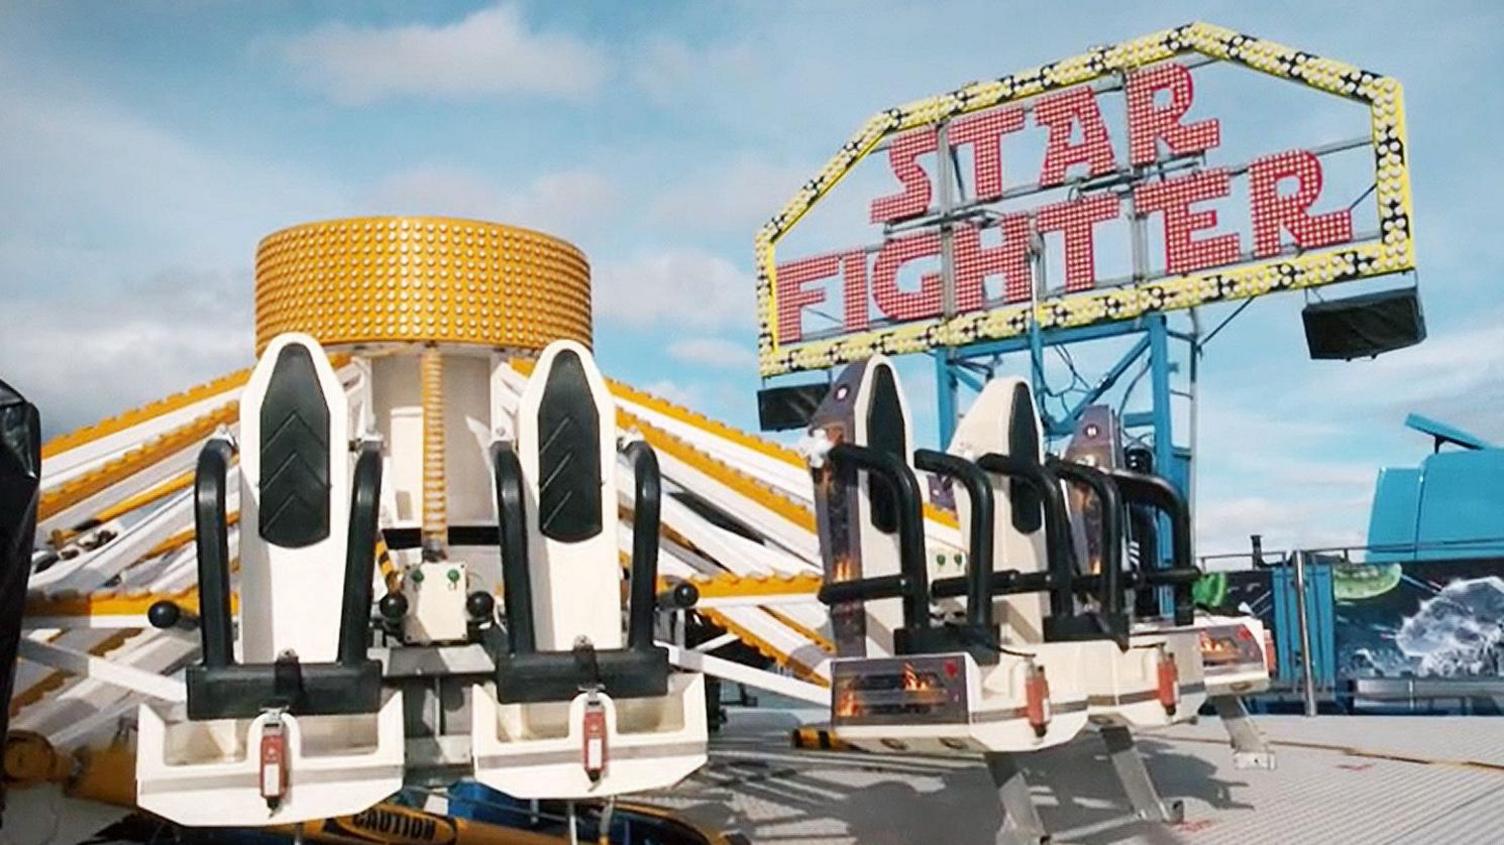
497, 485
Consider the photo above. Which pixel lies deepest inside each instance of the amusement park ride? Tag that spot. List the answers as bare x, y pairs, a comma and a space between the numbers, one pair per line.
423, 540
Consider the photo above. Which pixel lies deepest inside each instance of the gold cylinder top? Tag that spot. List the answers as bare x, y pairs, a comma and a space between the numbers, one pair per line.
421, 279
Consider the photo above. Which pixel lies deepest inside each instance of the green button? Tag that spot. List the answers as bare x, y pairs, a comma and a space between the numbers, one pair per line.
454, 575
417, 576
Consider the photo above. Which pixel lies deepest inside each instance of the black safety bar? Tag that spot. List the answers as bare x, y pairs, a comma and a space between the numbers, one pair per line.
979, 551
914, 587
517, 579
1110, 586
864, 589
1141, 489
212, 539
1005, 582
1060, 554
646, 504
360, 554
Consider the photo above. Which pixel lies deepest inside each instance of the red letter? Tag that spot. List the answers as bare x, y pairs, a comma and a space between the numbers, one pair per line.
903, 157
854, 290
1059, 112
1271, 211
1148, 125
906, 305
985, 133
792, 297
974, 263
1076, 219
1174, 198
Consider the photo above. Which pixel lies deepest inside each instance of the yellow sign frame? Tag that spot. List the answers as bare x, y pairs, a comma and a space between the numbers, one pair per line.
1393, 252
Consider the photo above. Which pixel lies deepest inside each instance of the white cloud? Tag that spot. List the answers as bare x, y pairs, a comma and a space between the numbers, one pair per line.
674, 287
84, 178
127, 253
89, 357
491, 52
712, 352
566, 203
735, 197
1458, 377
1223, 525
679, 394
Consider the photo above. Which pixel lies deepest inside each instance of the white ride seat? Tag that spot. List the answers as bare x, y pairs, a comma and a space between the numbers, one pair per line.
298, 727
578, 710
1142, 680
900, 681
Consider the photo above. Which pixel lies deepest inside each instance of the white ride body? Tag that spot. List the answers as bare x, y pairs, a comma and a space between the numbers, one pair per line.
534, 750
996, 695
205, 772
1121, 686
997, 717
1246, 676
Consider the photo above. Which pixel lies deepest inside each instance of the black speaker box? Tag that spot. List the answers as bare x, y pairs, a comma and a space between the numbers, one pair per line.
784, 408
1364, 326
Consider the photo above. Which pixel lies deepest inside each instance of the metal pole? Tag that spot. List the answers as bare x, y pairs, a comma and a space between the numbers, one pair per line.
947, 203
1308, 677
1195, 421
945, 391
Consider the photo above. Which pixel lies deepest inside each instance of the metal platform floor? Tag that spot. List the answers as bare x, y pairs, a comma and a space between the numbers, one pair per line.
1341, 779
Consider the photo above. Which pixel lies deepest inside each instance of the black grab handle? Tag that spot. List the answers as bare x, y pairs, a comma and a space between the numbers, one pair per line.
517, 580
1059, 549
360, 554
646, 504
979, 554
212, 540
1110, 588
1142, 489
900, 479
864, 589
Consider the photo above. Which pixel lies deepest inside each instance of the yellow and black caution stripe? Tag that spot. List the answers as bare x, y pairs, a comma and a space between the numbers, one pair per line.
818, 739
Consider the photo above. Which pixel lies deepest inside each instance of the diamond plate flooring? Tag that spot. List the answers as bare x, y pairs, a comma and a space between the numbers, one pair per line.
1373, 780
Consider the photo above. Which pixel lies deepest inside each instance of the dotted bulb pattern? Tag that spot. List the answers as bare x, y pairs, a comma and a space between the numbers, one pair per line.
421, 279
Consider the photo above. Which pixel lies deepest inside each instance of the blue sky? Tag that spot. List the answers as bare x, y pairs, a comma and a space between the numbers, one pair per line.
147, 147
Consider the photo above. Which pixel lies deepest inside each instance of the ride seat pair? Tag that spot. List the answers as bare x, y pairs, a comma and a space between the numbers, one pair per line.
304, 725
1050, 669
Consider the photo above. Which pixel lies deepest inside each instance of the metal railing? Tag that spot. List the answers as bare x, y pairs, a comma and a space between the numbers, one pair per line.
1299, 560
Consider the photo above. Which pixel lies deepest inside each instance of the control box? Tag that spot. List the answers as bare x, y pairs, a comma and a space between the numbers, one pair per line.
435, 603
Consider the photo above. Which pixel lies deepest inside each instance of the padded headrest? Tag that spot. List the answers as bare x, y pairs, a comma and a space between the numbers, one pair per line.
569, 454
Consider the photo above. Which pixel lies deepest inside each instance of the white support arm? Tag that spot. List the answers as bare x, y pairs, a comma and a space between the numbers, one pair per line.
88, 666
694, 661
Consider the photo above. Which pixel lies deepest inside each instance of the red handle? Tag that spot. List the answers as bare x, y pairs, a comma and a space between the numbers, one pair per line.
594, 750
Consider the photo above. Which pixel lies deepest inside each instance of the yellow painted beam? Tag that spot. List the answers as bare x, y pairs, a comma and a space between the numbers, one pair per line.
118, 469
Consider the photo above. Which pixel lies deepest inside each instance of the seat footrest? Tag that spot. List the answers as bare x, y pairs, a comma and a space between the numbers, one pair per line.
244, 690
558, 675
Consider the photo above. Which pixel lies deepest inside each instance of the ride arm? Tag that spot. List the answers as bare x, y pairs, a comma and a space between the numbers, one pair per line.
912, 585
517, 597
360, 554
646, 504
1154, 491
212, 539
1059, 554
978, 487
